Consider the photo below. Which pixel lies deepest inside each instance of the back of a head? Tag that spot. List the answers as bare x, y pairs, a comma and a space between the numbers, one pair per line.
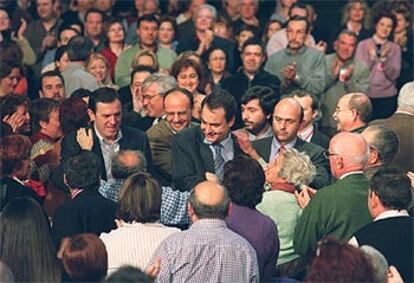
351, 147
244, 178
362, 105
140, 199
83, 171
73, 114
392, 187
378, 261
406, 97
209, 200
127, 162
221, 99
79, 48
85, 258
339, 262
129, 274
385, 141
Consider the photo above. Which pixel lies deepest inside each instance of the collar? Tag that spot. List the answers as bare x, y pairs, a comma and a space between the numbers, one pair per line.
74, 193
18, 180
404, 112
307, 133
209, 223
350, 173
277, 144
293, 53
286, 187
391, 213
104, 141
253, 137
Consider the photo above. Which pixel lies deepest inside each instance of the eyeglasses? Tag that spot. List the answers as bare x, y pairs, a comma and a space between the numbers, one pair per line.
327, 154
218, 59
148, 97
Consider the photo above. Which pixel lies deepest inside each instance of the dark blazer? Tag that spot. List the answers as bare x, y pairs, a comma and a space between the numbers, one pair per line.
15, 189
88, 212
191, 158
131, 139
320, 139
315, 152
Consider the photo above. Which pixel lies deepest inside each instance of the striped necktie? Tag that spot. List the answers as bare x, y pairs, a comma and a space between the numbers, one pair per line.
218, 161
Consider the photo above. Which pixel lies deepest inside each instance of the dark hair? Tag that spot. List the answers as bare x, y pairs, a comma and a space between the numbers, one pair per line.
302, 93
246, 27
244, 178
140, 199
95, 11
297, 18
85, 258
253, 41
389, 15
110, 22
59, 52
339, 262
73, 114
392, 187
51, 74
141, 69
266, 29
79, 48
40, 111
386, 142
64, 27
221, 99
404, 12
10, 103
219, 210
129, 273
266, 96
170, 20
81, 92
180, 90
102, 95
362, 105
7, 67
348, 32
148, 18
214, 48
186, 63
14, 149
25, 242
299, 5
135, 163
83, 171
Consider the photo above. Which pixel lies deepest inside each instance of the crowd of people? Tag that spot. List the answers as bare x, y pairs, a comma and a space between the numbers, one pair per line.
206, 141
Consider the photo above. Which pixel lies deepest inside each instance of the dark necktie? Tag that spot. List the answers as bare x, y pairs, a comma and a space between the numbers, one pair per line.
218, 161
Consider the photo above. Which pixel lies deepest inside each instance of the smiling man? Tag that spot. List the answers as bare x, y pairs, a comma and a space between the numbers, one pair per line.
205, 149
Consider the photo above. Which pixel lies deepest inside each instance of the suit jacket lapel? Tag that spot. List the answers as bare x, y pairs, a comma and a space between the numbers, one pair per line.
205, 153
96, 148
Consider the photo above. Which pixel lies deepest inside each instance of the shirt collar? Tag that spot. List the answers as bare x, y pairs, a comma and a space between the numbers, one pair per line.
208, 222
104, 141
391, 213
306, 134
277, 145
293, 53
266, 134
350, 173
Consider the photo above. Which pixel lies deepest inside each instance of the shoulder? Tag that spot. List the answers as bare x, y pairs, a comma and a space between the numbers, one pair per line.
265, 142
128, 132
165, 52
129, 52
310, 148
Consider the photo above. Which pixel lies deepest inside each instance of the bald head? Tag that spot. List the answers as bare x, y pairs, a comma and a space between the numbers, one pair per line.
349, 152
209, 200
287, 118
353, 110
128, 162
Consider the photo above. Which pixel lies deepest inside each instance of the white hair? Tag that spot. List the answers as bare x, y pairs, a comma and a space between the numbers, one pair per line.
406, 96
164, 82
297, 167
209, 7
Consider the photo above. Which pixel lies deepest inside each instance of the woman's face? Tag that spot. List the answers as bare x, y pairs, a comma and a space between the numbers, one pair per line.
217, 61
115, 33
9, 83
402, 24
98, 69
188, 78
356, 12
63, 62
383, 28
273, 28
4, 21
166, 33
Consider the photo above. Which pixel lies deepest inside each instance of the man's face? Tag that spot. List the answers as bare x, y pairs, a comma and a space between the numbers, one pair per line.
53, 125
94, 25
247, 9
204, 20
52, 87
309, 114
343, 115
152, 101
177, 110
147, 33
214, 125
252, 58
286, 122
44, 9
108, 119
104, 5
254, 118
296, 34
345, 47
136, 84
65, 36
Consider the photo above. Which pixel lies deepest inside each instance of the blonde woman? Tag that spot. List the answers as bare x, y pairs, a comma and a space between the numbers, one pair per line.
98, 66
145, 58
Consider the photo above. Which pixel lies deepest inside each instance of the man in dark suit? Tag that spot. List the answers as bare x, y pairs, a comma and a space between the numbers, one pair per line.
287, 118
87, 211
308, 130
392, 230
199, 153
107, 136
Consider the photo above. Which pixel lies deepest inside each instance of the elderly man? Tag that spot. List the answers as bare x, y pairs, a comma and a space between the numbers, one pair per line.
203, 39
389, 198
383, 144
340, 209
196, 254
298, 66
177, 105
352, 113
402, 123
344, 74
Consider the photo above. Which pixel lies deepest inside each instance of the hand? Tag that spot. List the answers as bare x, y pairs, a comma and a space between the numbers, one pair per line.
393, 275
154, 269
245, 144
48, 42
252, 22
22, 29
289, 71
386, 48
85, 138
212, 177
15, 120
321, 46
303, 198
372, 51
347, 73
137, 100
336, 66
411, 176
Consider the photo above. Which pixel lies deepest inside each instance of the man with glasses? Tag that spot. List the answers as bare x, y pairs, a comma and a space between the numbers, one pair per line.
340, 209
353, 113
